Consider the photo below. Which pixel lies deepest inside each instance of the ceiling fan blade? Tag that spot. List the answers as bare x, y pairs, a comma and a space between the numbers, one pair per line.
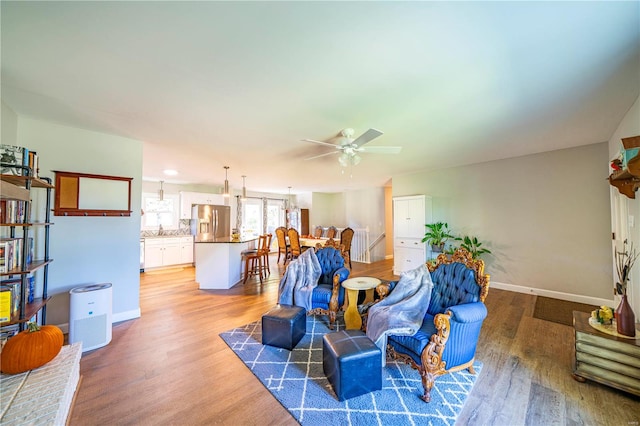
367, 136
322, 155
321, 143
381, 149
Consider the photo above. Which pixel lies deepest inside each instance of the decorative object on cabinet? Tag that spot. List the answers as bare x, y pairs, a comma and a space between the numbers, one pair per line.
18, 190
603, 315
626, 174
625, 318
410, 213
603, 358
82, 194
437, 235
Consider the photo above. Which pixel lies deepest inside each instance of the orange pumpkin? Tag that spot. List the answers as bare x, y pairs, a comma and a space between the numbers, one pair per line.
31, 348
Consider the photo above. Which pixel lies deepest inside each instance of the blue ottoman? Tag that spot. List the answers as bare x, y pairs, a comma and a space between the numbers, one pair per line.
352, 363
284, 326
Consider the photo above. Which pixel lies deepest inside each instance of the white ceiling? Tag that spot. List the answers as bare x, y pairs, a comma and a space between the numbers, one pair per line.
208, 84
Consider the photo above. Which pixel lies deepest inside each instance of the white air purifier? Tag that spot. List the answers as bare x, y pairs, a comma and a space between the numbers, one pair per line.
90, 316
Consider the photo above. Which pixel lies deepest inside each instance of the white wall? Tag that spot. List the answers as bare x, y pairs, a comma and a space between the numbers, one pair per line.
9, 124
545, 217
88, 250
623, 207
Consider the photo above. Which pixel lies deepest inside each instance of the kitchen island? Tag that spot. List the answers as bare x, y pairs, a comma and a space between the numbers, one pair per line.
219, 260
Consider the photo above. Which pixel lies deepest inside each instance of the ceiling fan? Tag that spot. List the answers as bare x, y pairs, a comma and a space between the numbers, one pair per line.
349, 148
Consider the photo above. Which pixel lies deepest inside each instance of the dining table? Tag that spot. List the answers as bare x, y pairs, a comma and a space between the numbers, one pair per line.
312, 241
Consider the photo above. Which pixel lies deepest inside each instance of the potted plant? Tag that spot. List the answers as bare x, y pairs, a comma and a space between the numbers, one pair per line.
473, 246
437, 234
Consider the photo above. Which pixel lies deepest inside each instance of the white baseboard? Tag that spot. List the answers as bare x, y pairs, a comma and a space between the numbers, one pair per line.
120, 316
554, 294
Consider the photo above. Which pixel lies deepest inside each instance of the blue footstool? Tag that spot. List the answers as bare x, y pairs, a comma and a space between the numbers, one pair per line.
284, 326
352, 363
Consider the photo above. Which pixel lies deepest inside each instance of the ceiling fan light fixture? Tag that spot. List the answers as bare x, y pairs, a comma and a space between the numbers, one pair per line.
355, 159
344, 159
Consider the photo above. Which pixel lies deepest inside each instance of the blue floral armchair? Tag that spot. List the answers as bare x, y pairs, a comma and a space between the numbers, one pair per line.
447, 339
328, 296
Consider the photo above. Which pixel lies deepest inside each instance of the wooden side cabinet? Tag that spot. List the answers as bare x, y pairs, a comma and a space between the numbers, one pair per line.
606, 359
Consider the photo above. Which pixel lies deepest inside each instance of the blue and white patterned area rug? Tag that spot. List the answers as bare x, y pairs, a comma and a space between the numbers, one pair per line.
295, 378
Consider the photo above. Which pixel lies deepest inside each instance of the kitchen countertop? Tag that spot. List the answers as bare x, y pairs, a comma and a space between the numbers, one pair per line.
153, 237
208, 238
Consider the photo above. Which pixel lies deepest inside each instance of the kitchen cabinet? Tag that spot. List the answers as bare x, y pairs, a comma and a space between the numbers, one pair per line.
167, 251
188, 199
186, 250
409, 253
410, 214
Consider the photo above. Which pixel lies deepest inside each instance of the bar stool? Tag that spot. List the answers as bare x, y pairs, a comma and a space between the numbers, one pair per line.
267, 250
253, 260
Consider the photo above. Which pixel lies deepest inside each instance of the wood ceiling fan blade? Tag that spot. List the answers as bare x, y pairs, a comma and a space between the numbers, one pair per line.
367, 137
322, 155
322, 143
381, 149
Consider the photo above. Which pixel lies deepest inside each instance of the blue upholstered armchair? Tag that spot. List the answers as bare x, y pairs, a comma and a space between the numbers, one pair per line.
447, 340
328, 296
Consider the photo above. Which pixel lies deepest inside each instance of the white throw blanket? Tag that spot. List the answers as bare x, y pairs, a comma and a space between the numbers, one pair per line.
402, 312
299, 280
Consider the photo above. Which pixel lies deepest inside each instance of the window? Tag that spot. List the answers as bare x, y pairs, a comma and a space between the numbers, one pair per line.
156, 212
252, 217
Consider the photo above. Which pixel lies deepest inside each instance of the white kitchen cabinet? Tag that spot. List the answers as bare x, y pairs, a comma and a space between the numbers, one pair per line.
188, 199
410, 215
167, 251
186, 250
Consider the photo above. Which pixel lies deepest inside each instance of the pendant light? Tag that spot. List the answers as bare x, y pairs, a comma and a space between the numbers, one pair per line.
225, 193
244, 189
161, 192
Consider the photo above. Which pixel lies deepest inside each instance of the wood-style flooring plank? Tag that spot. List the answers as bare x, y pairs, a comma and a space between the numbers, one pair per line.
170, 366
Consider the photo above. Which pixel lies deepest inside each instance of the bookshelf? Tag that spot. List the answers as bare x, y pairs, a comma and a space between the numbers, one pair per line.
19, 226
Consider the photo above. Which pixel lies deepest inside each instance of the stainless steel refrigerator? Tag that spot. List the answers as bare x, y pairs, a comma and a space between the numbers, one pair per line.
212, 220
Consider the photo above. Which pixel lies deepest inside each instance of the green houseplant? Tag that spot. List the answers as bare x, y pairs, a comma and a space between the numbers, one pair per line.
437, 234
473, 246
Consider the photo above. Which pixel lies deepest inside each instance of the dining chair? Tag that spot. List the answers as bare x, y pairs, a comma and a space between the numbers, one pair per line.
295, 249
332, 232
283, 246
317, 233
346, 236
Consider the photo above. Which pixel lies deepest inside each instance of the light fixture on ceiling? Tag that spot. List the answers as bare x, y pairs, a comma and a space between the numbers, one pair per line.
161, 192
170, 172
244, 189
349, 159
289, 204
225, 193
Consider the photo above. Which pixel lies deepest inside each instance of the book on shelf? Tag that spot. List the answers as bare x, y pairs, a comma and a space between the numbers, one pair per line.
12, 211
5, 304
12, 285
12, 156
10, 249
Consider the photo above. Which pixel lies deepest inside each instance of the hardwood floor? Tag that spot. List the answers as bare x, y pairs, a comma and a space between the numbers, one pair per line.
170, 367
